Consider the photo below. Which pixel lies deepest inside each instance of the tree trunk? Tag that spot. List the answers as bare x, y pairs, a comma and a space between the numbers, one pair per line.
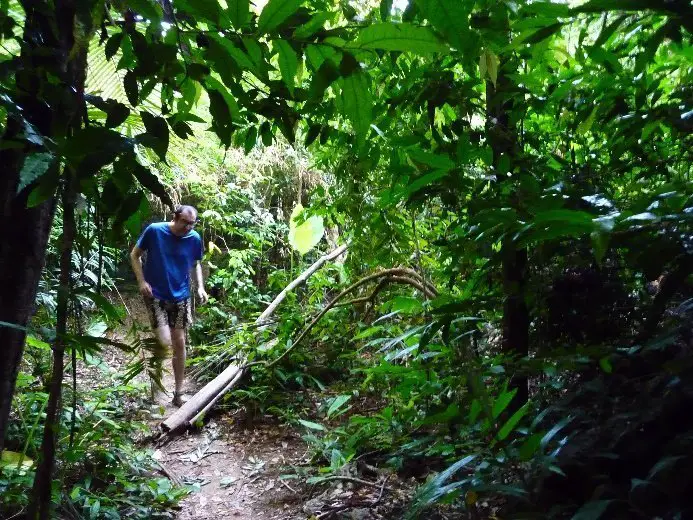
503, 139
23, 246
40, 504
22, 254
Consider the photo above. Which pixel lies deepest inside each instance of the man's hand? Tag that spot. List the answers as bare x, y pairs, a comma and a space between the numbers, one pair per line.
202, 295
146, 290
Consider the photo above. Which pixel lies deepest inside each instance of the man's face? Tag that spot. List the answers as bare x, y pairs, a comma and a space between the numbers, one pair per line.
184, 222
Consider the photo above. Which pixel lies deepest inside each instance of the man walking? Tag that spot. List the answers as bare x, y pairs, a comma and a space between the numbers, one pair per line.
173, 250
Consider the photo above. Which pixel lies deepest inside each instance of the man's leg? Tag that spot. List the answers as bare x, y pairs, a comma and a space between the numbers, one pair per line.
178, 342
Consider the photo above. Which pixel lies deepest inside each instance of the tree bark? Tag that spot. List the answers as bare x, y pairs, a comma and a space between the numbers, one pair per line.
40, 505
23, 246
503, 139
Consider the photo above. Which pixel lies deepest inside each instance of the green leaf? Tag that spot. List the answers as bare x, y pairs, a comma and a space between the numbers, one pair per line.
402, 37
592, 510
13, 458
157, 136
275, 13
46, 188
488, 66
357, 104
313, 25
530, 446
585, 125
502, 402
337, 403
450, 17
117, 114
605, 364
599, 6
102, 303
35, 165
313, 425
303, 237
148, 9
288, 62
206, 9
237, 54
221, 116
509, 426
317, 54
113, 44
239, 12
151, 182
131, 88
405, 305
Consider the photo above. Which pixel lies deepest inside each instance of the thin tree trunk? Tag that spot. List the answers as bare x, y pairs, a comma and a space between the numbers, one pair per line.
41, 497
503, 139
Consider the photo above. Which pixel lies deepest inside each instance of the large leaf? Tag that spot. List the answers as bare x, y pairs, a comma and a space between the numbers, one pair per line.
151, 182
35, 165
221, 116
303, 237
488, 66
402, 37
450, 17
16, 460
157, 135
357, 104
288, 62
239, 12
275, 13
337, 403
592, 510
149, 9
206, 9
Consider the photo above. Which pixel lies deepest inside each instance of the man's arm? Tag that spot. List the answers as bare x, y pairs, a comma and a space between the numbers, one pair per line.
136, 262
201, 294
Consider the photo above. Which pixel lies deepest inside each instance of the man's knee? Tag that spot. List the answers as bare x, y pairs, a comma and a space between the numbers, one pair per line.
163, 334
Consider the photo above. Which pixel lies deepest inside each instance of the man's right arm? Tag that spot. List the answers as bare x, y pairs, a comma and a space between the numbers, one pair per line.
136, 261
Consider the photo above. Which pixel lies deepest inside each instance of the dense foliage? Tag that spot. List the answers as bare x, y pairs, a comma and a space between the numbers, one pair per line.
525, 165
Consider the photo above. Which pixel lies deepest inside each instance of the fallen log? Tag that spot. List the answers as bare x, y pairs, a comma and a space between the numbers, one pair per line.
207, 396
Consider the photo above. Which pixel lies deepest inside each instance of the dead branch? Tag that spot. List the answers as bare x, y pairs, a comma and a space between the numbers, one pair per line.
405, 276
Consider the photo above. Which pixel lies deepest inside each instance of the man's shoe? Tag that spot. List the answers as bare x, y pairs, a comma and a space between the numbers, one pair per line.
177, 399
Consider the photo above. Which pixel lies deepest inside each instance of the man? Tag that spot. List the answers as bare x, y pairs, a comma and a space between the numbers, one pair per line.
173, 250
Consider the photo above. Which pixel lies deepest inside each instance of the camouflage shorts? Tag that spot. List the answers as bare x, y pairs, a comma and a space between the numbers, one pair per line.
176, 315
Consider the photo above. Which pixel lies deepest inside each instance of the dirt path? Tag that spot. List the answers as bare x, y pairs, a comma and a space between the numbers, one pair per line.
233, 467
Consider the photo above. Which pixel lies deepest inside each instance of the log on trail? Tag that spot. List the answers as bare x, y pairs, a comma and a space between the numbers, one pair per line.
204, 399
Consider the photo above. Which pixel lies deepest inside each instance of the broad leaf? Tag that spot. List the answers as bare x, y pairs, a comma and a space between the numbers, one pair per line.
450, 17
592, 510
312, 425
151, 182
275, 13
157, 136
149, 9
337, 403
357, 104
35, 165
288, 62
402, 37
303, 237
239, 12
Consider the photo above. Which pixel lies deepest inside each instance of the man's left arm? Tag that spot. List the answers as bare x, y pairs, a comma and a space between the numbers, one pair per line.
201, 293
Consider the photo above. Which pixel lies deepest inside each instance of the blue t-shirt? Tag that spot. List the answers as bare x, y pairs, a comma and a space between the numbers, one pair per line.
169, 260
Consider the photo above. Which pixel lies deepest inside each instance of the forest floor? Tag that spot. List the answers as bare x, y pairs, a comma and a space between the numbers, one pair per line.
234, 462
